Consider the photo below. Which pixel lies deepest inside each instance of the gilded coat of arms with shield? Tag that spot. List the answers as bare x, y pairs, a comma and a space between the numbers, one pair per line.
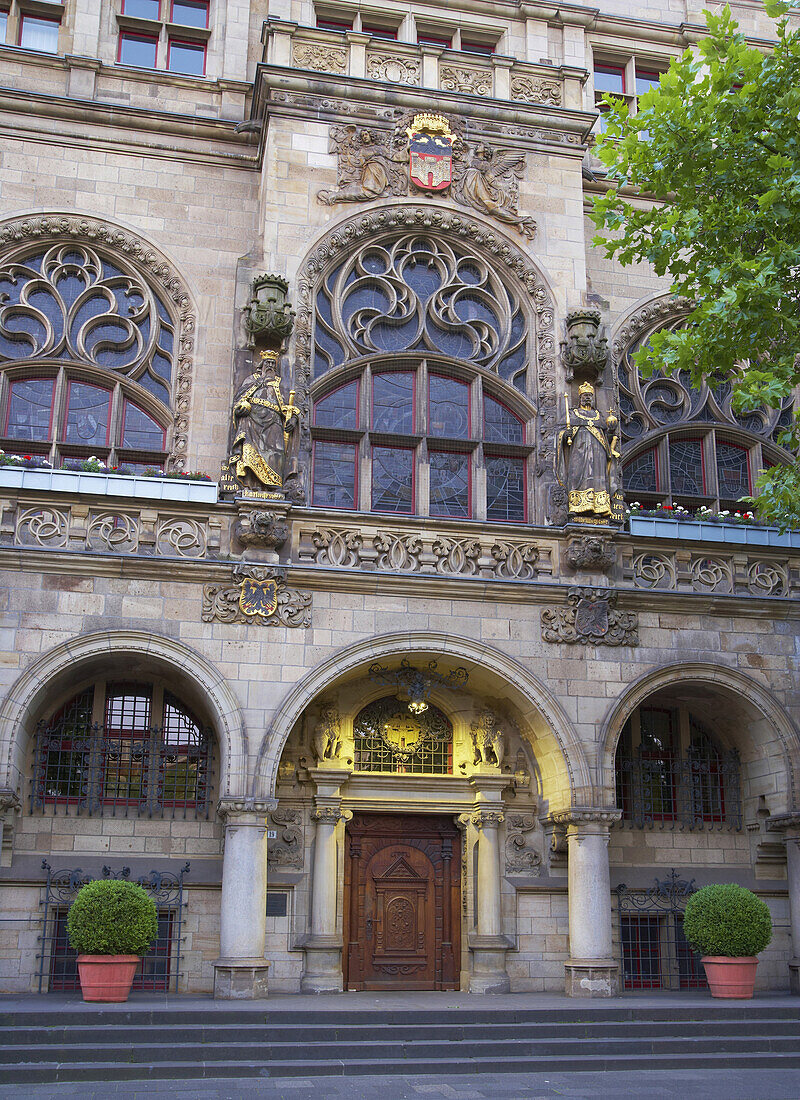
430, 152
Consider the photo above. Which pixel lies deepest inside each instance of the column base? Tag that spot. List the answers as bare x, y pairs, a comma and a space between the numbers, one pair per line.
323, 970
240, 979
489, 964
591, 978
794, 976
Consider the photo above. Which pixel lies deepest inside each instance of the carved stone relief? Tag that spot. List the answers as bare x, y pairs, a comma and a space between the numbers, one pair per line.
591, 619
521, 859
259, 527
286, 850
459, 78
326, 740
258, 596
393, 69
536, 89
488, 739
593, 553
321, 59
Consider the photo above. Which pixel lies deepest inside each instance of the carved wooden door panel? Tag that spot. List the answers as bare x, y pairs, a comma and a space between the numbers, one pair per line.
401, 904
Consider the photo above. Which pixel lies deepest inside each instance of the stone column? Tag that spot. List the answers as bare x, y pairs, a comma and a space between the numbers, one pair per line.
323, 946
487, 942
240, 973
591, 970
789, 825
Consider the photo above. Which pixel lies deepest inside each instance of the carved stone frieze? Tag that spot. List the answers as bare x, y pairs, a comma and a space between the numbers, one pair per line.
337, 547
398, 552
393, 69
42, 527
711, 574
181, 537
114, 531
153, 267
261, 527
586, 815
521, 859
258, 596
654, 570
286, 850
594, 553
536, 89
515, 561
467, 81
456, 555
767, 578
591, 619
321, 59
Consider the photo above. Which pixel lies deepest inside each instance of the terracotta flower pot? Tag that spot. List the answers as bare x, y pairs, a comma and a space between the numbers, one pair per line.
730, 977
107, 978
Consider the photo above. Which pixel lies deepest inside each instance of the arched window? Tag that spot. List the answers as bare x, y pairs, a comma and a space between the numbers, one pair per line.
687, 446
671, 771
388, 738
122, 748
421, 387
87, 351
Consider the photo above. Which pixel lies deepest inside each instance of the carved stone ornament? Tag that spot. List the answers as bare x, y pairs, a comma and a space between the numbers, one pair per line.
268, 316
584, 353
326, 740
591, 619
286, 850
330, 815
466, 81
392, 69
520, 859
587, 461
487, 819
320, 59
536, 89
258, 596
586, 815
236, 811
488, 739
259, 527
594, 553
144, 269
374, 163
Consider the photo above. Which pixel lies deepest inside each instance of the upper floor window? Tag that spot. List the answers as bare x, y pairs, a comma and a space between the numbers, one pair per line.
376, 26
625, 80
122, 748
671, 770
165, 33
36, 33
88, 351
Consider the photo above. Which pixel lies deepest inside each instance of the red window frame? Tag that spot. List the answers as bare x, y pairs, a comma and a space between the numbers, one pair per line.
38, 19
391, 447
612, 70
13, 382
425, 39
688, 439
78, 382
483, 48
125, 36
510, 411
194, 45
318, 401
379, 374
156, 16
736, 447
379, 32
335, 442
197, 3
647, 74
459, 382
524, 461
468, 457
654, 452
333, 25
126, 446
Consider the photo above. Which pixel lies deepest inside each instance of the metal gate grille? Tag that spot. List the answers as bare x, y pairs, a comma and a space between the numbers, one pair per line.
159, 971
655, 954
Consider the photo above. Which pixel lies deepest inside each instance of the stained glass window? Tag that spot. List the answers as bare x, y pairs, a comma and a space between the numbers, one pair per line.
140, 431
393, 402
733, 471
686, 467
641, 474
88, 412
339, 409
334, 475
29, 409
392, 479
448, 407
505, 489
449, 484
500, 425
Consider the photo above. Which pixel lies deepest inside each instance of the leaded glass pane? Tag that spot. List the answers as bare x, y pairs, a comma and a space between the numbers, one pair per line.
339, 409
334, 475
88, 409
686, 466
449, 484
500, 425
392, 479
505, 489
733, 471
29, 407
639, 475
140, 430
448, 408
388, 738
393, 402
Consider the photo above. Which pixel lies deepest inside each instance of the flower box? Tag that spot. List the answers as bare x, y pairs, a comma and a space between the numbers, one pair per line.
697, 531
109, 484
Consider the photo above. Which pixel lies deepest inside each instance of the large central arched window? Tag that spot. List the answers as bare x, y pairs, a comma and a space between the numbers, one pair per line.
421, 384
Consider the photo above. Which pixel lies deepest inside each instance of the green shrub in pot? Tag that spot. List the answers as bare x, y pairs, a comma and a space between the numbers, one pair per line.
110, 917
726, 919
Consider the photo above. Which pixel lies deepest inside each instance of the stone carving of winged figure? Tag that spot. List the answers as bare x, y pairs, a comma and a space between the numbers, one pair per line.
370, 165
490, 183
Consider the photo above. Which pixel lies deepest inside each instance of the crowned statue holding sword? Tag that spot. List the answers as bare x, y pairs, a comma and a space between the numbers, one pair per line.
587, 461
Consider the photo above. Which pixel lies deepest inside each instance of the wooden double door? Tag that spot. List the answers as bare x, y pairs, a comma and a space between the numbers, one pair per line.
402, 902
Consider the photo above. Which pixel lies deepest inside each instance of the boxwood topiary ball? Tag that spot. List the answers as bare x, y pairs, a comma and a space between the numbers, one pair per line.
109, 917
728, 920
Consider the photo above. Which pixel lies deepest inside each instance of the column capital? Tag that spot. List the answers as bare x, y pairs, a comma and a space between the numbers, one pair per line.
788, 823
487, 819
245, 811
579, 816
9, 801
331, 815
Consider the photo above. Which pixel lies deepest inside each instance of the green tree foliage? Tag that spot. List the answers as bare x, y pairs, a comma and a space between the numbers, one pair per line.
714, 153
109, 917
727, 920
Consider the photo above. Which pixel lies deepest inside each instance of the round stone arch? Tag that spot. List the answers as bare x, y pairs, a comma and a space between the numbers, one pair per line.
52, 672
560, 756
773, 734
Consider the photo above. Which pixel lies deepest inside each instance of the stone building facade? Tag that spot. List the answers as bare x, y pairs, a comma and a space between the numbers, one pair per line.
409, 718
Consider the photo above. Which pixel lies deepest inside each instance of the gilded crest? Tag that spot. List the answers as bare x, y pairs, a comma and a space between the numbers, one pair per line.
430, 152
258, 597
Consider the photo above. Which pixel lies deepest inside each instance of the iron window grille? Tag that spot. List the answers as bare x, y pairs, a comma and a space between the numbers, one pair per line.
390, 739
160, 968
94, 769
654, 952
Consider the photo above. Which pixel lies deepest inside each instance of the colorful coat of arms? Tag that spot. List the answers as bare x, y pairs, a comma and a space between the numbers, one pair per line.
258, 597
430, 152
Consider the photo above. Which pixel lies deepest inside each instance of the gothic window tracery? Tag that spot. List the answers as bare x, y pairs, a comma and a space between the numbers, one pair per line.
88, 351
388, 738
